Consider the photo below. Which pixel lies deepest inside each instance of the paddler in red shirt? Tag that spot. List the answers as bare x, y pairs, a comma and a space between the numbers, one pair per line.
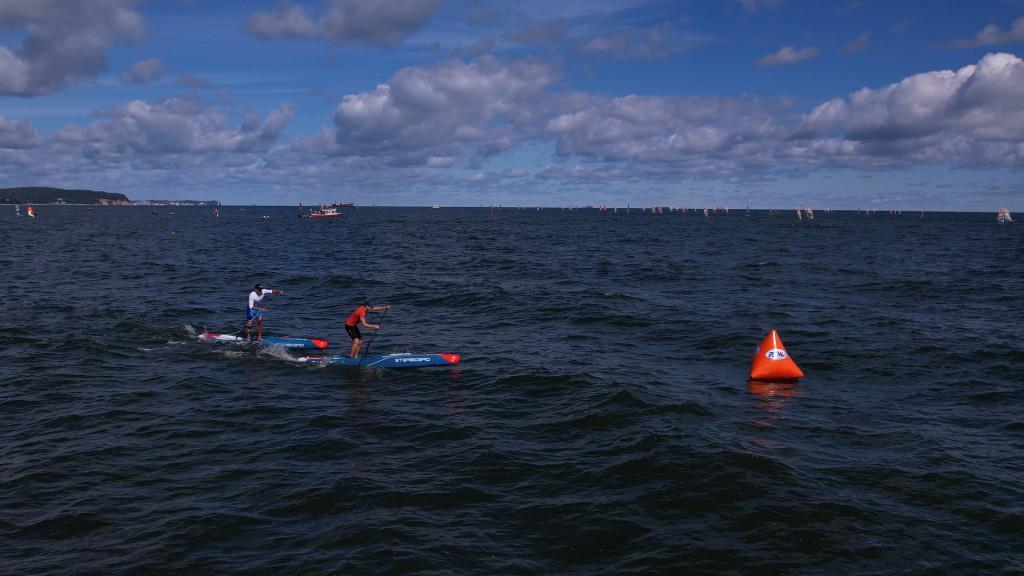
357, 317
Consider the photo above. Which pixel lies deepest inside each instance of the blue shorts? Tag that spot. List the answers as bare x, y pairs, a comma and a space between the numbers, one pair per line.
250, 314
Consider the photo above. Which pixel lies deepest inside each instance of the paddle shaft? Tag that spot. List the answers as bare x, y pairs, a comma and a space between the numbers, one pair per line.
374, 335
249, 323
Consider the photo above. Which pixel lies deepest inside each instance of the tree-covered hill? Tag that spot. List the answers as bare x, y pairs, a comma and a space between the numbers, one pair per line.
43, 195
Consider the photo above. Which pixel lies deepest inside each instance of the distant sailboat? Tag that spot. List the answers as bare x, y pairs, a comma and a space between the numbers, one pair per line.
810, 213
30, 212
17, 210
799, 214
1004, 216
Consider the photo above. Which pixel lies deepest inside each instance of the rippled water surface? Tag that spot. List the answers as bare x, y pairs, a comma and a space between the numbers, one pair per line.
601, 420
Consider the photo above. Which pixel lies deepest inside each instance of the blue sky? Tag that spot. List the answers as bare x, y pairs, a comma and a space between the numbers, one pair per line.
763, 103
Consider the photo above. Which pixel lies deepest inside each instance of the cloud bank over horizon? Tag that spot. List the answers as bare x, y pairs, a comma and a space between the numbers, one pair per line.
511, 116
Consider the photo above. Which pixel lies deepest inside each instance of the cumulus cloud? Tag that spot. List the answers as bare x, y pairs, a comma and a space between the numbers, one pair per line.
165, 132
992, 34
379, 22
859, 44
143, 72
64, 42
658, 135
436, 112
192, 81
17, 133
460, 114
788, 55
482, 46
549, 31
973, 117
653, 43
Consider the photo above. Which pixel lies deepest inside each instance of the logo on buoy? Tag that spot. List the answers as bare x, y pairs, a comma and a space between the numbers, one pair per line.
775, 354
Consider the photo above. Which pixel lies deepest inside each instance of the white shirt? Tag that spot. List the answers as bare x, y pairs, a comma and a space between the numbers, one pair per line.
257, 295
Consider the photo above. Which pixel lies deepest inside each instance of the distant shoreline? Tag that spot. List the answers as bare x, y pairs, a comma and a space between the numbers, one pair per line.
47, 195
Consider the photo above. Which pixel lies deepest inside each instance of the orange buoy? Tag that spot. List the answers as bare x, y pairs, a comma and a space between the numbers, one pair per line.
771, 362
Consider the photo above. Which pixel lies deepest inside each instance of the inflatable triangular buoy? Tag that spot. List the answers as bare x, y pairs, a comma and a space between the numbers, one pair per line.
771, 362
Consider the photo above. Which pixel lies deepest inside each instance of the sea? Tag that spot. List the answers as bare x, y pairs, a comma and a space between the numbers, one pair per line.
601, 421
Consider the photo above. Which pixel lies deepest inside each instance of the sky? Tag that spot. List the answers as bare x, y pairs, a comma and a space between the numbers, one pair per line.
852, 104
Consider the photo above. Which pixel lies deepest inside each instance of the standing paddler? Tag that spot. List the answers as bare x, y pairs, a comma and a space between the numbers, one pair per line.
253, 312
357, 317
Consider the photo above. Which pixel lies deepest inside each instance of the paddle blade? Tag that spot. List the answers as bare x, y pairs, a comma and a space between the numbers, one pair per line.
771, 362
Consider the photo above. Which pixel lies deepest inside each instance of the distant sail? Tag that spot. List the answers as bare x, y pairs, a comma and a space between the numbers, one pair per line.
31, 214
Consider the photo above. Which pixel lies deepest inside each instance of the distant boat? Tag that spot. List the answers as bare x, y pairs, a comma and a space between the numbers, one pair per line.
17, 210
345, 205
1004, 216
810, 213
324, 212
435, 206
30, 212
799, 214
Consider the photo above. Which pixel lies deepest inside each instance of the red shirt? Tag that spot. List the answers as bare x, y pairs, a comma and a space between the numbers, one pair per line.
356, 316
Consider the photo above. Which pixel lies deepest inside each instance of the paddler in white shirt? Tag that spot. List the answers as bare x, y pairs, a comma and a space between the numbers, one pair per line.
252, 312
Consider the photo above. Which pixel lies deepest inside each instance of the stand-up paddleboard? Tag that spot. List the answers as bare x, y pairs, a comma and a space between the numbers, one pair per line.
771, 362
294, 343
386, 360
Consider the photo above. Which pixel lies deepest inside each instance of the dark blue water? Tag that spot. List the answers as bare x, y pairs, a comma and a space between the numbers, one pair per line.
601, 420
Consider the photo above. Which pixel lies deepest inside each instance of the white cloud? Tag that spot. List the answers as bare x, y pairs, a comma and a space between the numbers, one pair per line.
65, 41
435, 112
788, 55
17, 134
167, 131
992, 34
380, 22
859, 44
143, 72
460, 114
652, 43
971, 117
664, 136
551, 30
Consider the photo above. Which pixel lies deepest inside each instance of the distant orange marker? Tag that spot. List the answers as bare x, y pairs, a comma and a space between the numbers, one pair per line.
771, 362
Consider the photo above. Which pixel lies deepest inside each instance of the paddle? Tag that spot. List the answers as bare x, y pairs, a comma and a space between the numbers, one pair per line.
367, 351
249, 323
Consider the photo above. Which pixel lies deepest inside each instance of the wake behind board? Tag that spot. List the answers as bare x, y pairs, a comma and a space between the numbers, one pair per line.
293, 343
386, 360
